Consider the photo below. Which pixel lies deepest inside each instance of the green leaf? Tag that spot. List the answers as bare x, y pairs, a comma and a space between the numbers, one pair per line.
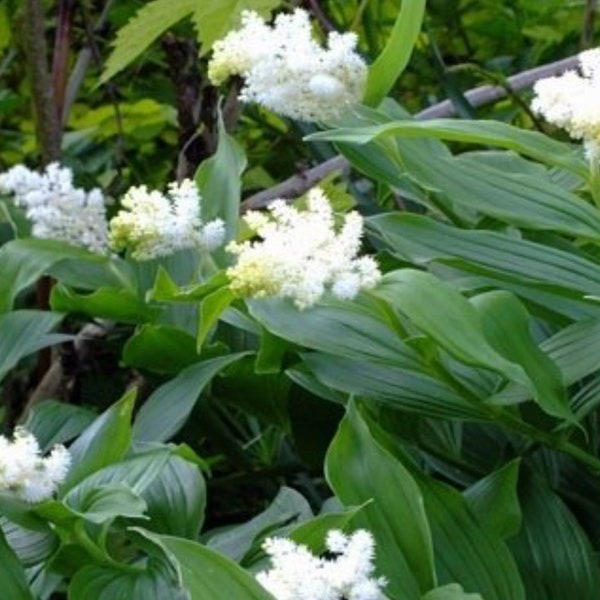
553, 552
24, 332
342, 329
464, 551
166, 410
12, 574
32, 544
359, 469
211, 308
313, 532
393, 59
107, 303
219, 177
493, 133
137, 472
104, 442
447, 317
287, 506
422, 240
166, 290
151, 20
450, 592
393, 385
215, 18
54, 422
495, 502
160, 349
507, 326
107, 502
155, 582
206, 574
23, 262
176, 499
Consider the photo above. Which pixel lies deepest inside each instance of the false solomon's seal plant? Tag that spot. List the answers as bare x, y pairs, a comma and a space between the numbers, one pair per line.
405, 405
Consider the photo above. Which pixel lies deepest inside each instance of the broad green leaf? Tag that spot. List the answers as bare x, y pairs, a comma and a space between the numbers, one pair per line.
109, 501
338, 328
507, 327
219, 177
53, 422
104, 442
288, 506
215, 18
137, 472
447, 317
23, 262
359, 469
490, 133
464, 552
393, 59
393, 385
575, 349
211, 308
33, 544
160, 349
166, 410
166, 290
495, 502
120, 305
12, 574
153, 19
313, 532
24, 332
450, 592
176, 499
154, 582
422, 240
206, 574
552, 550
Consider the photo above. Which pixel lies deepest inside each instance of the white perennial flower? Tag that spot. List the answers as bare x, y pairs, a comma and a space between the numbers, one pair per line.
302, 254
57, 209
25, 473
572, 101
297, 574
154, 224
286, 70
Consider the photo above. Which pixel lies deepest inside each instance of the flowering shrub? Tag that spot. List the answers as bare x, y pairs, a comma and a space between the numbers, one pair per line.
383, 387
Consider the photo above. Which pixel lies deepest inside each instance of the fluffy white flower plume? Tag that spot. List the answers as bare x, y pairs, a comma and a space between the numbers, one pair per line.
286, 70
25, 473
297, 574
572, 101
57, 209
154, 224
302, 254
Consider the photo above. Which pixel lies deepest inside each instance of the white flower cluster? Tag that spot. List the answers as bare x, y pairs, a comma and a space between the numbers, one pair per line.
287, 71
301, 254
25, 473
297, 574
155, 225
57, 209
572, 101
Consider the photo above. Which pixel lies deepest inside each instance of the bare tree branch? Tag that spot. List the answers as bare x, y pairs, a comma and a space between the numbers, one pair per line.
477, 97
46, 113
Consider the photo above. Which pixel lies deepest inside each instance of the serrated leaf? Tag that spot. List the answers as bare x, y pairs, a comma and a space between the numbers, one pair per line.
153, 19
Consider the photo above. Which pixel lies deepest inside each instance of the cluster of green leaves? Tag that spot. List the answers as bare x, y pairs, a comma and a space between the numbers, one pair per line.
451, 411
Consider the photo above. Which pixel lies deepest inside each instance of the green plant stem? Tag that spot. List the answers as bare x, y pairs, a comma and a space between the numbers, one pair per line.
96, 552
506, 419
548, 439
